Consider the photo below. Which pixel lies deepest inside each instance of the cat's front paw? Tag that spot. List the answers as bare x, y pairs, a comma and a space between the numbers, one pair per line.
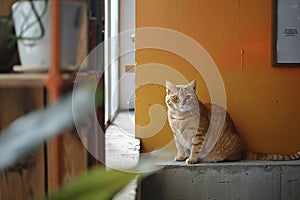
191, 161
180, 158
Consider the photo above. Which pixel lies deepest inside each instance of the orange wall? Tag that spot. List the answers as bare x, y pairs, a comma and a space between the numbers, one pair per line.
262, 100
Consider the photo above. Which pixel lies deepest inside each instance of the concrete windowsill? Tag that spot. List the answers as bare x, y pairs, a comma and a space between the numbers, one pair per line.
227, 180
236, 163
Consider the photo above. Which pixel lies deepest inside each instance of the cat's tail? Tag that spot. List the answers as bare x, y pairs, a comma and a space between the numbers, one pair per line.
262, 156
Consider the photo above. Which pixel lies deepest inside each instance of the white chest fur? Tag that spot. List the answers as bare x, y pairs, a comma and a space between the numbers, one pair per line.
183, 141
184, 127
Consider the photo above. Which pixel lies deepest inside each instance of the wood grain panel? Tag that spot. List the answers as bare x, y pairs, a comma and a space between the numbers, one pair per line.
72, 160
29, 182
5, 7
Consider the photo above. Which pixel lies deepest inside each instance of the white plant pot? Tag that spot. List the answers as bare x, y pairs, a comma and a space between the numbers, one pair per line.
37, 53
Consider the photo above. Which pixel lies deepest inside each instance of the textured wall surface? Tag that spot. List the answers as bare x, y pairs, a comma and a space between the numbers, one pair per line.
238, 180
262, 100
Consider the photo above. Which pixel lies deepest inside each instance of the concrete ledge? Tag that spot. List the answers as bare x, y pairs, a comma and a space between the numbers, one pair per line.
230, 180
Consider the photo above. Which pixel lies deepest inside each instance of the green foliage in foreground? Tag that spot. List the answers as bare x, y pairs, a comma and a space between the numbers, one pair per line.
97, 183
30, 131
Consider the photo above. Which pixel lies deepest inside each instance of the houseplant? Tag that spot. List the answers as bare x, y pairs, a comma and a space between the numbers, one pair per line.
32, 22
8, 48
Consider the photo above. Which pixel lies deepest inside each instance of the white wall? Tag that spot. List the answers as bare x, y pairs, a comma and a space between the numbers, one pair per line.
127, 26
111, 61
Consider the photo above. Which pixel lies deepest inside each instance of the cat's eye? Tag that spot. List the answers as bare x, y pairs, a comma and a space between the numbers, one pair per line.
175, 98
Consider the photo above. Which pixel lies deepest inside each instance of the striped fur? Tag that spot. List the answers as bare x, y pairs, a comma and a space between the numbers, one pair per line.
189, 120
261, 156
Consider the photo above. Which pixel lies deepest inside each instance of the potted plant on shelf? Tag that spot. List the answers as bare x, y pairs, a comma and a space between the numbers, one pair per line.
32, 23
8, 48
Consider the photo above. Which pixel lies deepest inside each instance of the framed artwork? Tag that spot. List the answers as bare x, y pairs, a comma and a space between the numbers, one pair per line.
286, 33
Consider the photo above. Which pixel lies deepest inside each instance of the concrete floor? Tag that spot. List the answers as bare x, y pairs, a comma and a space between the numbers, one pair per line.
122, 150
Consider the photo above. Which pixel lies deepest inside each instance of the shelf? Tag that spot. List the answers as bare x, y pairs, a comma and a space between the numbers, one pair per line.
38, 79
26, 80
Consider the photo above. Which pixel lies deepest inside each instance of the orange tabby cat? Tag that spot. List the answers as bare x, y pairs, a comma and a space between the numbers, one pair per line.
189, 120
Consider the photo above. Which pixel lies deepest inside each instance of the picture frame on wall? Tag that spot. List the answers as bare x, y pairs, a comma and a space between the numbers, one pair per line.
286, 33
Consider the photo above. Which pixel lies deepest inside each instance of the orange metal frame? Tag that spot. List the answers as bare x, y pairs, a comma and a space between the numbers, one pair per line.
53, 84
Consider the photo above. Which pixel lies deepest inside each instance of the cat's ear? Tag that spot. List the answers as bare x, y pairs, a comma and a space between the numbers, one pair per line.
170, 87
193, 84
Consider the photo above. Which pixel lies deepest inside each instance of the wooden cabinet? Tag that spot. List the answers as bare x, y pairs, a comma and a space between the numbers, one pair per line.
23, 182
20, 94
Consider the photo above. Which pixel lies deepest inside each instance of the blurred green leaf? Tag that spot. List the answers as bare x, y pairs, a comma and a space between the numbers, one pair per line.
30, 131
96, 184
